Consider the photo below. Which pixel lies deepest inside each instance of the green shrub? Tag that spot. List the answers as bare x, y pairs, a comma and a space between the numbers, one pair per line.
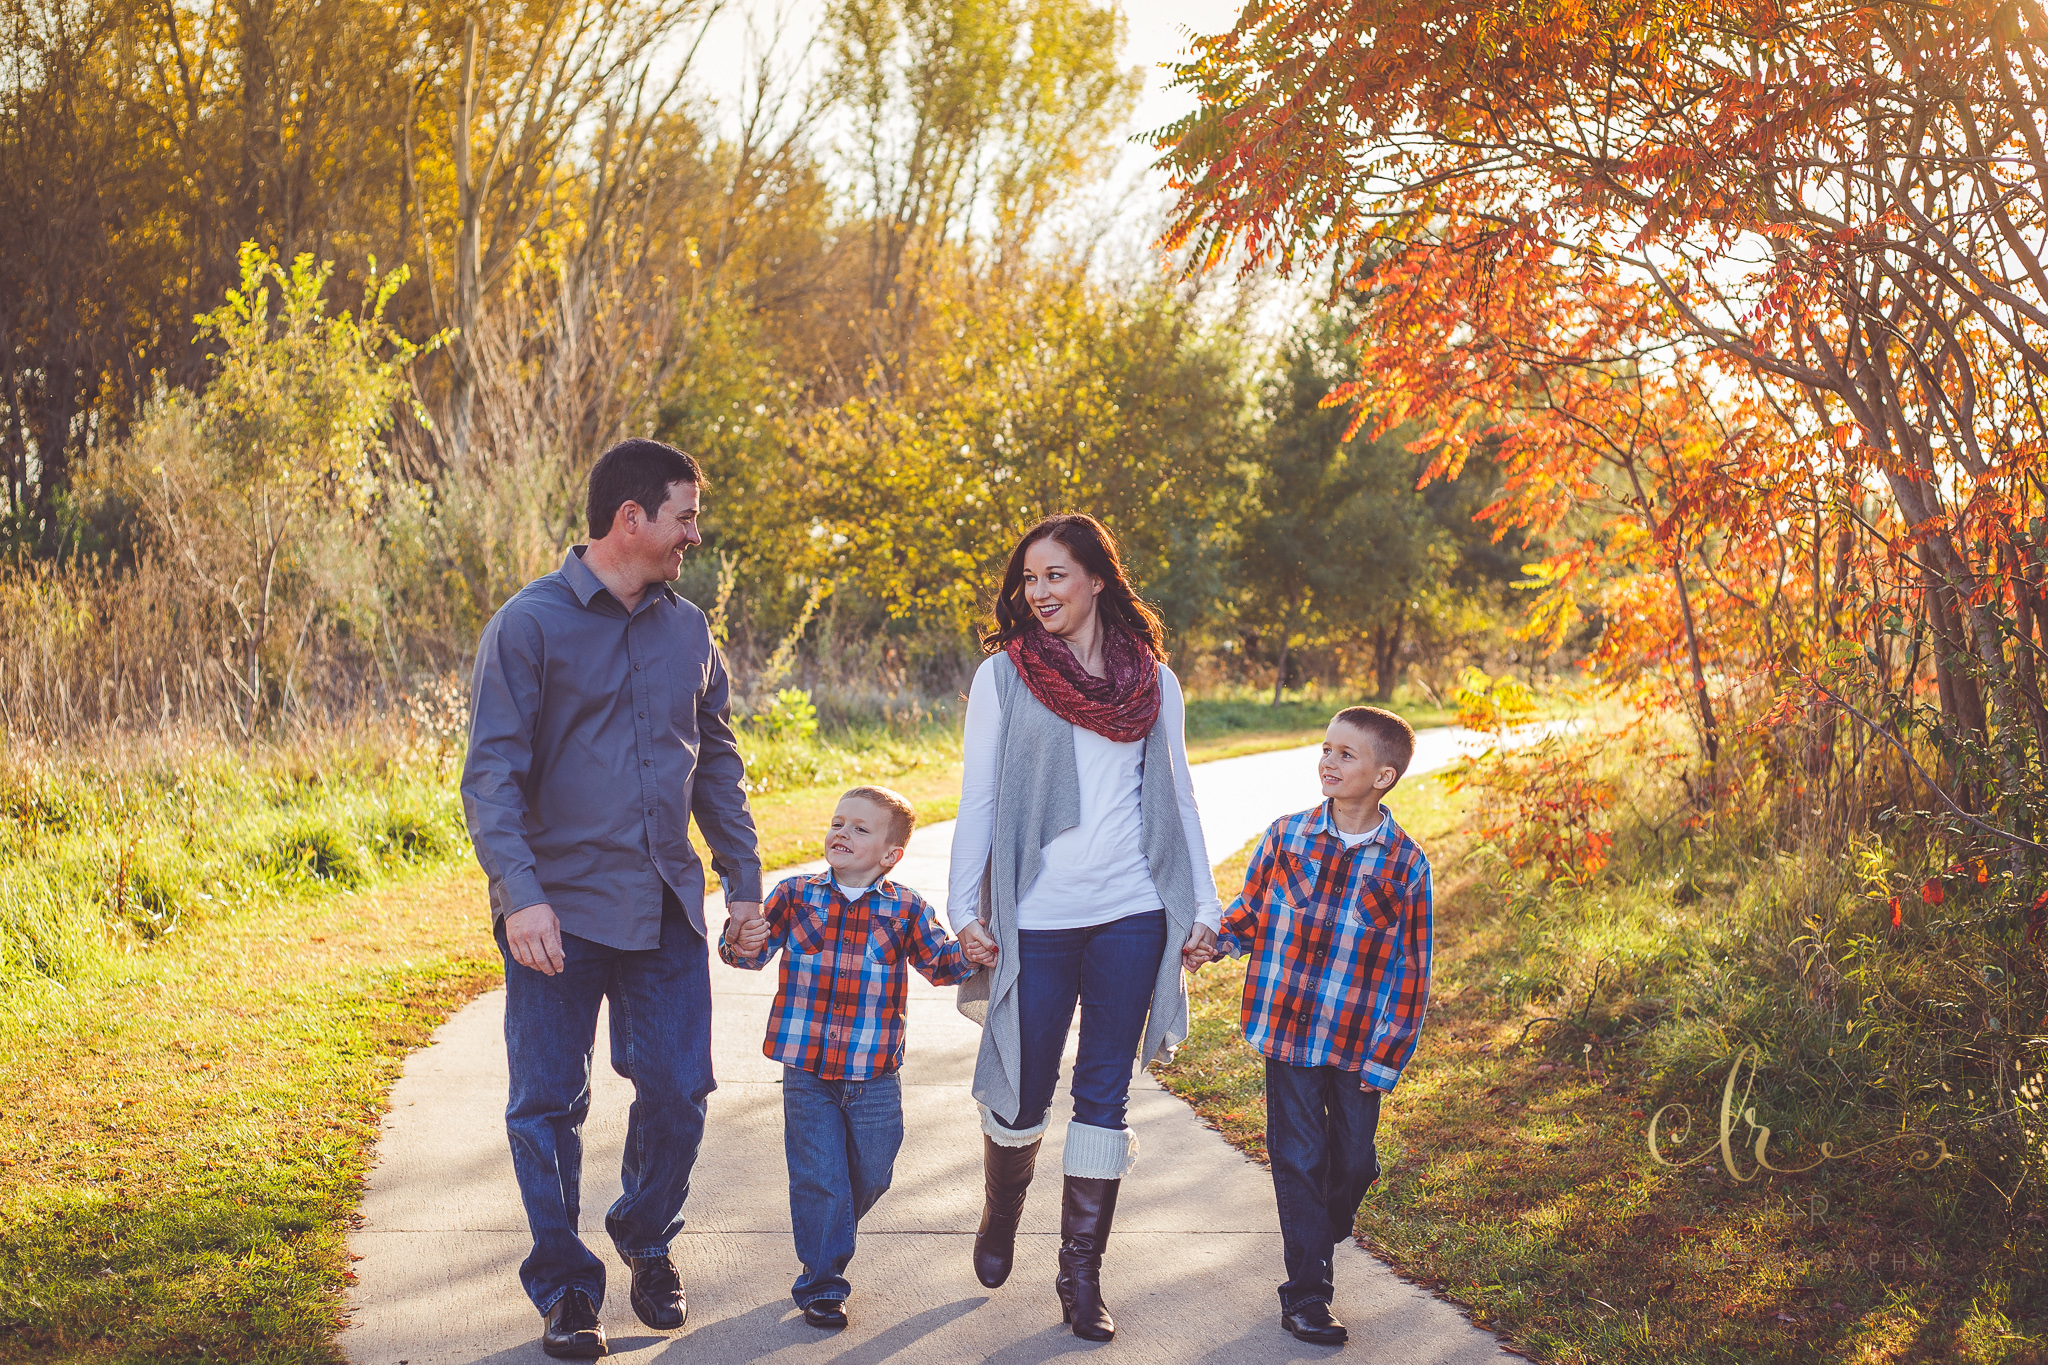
788, 716
317, 849
149, 891
409, 834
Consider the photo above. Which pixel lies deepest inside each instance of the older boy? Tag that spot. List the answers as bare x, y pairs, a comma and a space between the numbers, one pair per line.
837, 1027
1336, 915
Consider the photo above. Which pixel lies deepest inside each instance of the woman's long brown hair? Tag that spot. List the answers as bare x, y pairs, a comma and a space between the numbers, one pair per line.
1092, 544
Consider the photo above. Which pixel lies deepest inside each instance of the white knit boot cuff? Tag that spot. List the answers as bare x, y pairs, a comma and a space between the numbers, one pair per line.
1099, 1153
1011, 1137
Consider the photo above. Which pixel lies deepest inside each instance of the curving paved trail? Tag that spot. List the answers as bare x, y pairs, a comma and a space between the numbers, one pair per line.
1192, 1267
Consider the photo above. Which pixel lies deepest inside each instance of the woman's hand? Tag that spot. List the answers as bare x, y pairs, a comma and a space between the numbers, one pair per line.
979, 945
1200, 949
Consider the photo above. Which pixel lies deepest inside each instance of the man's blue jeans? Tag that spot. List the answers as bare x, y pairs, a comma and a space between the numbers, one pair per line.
1109, 969
1319, 1138
841, 1138
661, 1041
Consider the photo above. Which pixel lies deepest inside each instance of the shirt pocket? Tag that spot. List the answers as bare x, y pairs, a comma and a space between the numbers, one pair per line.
888, 935
807, 930
1377, 906
1295, 878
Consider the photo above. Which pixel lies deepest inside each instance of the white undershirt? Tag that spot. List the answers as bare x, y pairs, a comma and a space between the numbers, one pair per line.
852, 893
1354, 840
1097, 871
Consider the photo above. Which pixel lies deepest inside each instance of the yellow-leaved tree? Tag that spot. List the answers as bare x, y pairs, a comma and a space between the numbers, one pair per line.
262, 486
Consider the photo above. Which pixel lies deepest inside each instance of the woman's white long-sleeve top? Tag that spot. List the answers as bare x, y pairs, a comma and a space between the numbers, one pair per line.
1095, 872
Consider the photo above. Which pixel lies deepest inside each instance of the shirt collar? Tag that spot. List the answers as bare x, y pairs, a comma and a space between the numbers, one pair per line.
882, 885
1383, 833
586, 584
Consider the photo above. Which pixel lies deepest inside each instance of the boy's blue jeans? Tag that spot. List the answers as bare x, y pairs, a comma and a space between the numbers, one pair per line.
1319, 1137
841, 1138
661, 1041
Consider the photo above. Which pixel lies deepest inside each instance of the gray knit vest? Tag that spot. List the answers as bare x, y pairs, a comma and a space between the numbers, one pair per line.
1038, 798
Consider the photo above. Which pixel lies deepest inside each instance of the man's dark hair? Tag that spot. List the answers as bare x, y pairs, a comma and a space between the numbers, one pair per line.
638, 471
1393, 739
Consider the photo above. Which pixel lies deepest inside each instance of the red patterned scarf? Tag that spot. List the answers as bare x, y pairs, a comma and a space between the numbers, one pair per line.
1121, 706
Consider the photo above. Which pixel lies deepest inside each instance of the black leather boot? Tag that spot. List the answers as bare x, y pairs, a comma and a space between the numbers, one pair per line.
1085, 1215
1006, 1175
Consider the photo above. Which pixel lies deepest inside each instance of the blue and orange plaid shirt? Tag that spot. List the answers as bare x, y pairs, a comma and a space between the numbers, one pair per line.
1340, 945
838, 1009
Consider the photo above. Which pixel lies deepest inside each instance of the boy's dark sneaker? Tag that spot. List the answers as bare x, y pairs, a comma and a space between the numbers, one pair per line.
572, 1331
658, 1295
827, 1313
1313, 1323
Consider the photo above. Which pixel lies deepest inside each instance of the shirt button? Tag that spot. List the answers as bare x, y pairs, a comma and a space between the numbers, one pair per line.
636, 668
646, 762
643, 715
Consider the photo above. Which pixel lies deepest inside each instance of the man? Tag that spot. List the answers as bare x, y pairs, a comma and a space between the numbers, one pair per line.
599, 726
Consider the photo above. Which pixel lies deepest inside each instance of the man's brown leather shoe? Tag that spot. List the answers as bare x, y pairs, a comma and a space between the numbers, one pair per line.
571, 1330
829, 1314
658, 1296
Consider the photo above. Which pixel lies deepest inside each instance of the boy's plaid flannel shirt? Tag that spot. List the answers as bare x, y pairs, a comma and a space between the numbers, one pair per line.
1340, 945
838, 1009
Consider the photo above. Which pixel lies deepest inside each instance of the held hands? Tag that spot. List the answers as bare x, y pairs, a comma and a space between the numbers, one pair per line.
1200, 949
747, 929
978, 945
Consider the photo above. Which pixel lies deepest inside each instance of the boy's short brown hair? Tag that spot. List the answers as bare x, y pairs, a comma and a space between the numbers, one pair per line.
1393, 739
902, 815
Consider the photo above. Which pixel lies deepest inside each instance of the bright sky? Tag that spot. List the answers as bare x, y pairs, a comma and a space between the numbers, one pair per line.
1158, 31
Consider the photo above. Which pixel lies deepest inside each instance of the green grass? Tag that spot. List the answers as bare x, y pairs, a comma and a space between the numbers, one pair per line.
1227, 726
1519, 1182
213, 962
105, 857
183, 1140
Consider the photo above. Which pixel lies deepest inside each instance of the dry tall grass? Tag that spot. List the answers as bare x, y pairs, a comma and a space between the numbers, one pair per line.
88, 652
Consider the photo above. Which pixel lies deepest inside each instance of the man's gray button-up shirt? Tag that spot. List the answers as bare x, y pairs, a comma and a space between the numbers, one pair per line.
595, 735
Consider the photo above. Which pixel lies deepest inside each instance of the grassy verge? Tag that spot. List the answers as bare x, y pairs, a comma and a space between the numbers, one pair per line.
215, 965
1519, 1182
183, 1141
1226, 727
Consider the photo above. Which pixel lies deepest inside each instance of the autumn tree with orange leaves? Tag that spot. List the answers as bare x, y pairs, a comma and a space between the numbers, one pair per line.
1764, 281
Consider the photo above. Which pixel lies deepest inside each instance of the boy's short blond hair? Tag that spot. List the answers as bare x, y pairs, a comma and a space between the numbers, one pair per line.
902, 815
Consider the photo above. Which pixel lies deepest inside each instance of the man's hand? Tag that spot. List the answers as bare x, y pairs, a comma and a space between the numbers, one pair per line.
979, 945
748, 936
534, 936
1200, 949
745, 912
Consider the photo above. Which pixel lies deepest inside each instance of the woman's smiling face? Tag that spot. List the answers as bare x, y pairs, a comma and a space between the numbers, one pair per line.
1059, 592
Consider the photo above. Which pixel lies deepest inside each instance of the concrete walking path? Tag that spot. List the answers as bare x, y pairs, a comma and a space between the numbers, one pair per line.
1192, 1265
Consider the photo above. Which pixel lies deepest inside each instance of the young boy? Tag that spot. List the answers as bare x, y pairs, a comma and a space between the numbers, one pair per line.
837, 1027
1335, 913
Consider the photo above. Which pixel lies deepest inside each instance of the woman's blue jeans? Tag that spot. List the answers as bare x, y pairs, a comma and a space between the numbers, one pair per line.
841, 1138
1109, 970
661, 1041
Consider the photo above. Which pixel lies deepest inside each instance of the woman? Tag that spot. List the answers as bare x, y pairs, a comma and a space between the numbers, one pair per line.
1079, 872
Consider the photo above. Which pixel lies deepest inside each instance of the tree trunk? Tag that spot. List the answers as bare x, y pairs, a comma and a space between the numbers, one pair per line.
1386, 659
1710, 735
467, 299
